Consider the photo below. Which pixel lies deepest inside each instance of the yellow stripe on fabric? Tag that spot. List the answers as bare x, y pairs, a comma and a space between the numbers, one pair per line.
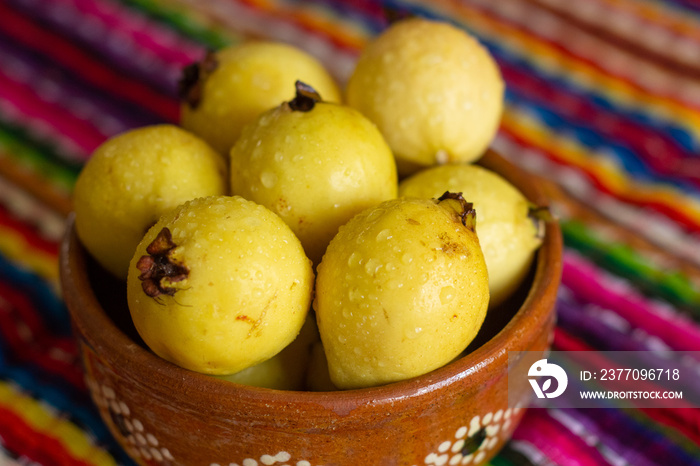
547, 58
606, 172
45, 421
17, 249
319, 19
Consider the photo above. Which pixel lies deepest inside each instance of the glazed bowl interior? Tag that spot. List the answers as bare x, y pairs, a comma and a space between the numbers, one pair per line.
101, 320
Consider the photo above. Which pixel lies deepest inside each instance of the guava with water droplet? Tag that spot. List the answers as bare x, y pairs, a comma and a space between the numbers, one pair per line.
219, 284
435, 93
401, 290
506, 231
132, 179
231, 87
315, 164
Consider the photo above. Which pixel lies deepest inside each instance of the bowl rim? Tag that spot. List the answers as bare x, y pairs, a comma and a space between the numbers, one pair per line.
105, 337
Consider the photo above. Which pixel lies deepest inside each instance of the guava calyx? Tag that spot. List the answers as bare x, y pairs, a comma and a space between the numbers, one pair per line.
468, 214
305, 99
159, 265
193, 77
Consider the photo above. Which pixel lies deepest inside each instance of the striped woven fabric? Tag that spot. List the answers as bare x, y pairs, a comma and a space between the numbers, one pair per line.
603, 103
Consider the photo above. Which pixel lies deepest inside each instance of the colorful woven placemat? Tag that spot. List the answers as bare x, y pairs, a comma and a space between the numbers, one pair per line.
603, 103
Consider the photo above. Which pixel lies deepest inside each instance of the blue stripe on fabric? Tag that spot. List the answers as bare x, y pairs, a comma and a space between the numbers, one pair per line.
42, 296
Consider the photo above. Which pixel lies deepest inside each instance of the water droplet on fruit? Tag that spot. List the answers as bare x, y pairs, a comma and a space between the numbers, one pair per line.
354, 259
355, 295
407, 258
268, 179
447, 294
384, 235
414, 333
279, 156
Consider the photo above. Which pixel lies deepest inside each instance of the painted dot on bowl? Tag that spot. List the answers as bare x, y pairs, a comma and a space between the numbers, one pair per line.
457, 447
491, 442
508, 413
140, 439
250, 462
474, 425
461, 432
166, 454
156, 454
487, 418
444, 446
479, 456
497, 417
152, 439
124, 408
145, 453
138, 427
303, 463
455, 459
492, 429
108, 392
467, 459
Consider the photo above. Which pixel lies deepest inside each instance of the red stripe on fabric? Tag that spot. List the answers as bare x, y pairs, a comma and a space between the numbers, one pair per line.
20, 436
23, 330
92, 70
661, 153
24, 98
29, 234
555, 441
672, 212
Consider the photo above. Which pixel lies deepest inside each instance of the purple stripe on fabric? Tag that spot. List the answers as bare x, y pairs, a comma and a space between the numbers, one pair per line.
595, 286
53, 85
115, 46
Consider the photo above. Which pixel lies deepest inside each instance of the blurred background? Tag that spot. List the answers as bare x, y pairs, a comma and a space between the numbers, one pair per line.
602, 104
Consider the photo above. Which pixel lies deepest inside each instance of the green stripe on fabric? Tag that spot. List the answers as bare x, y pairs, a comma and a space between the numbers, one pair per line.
38, 158
623, 260
185, 22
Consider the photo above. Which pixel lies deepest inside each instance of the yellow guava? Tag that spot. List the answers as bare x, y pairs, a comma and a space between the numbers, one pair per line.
133, 178
315, 164
233, 86
219, 284
506, 232
401, 290
434, 92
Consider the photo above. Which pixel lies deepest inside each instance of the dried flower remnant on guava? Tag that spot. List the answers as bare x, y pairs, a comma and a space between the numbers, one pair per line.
158, 269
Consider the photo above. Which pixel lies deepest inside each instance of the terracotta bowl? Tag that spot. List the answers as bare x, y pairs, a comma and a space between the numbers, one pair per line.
162, 414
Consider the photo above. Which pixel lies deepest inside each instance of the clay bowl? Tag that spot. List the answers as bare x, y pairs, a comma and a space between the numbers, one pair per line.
162, 414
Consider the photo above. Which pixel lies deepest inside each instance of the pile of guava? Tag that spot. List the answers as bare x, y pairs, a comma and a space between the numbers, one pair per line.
293, 234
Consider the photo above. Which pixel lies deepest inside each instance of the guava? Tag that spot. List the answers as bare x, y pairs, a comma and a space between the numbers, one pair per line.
506, 231
435, 93
219, 284
315, 164
401, 290
231, 87
287, 369
133, 178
